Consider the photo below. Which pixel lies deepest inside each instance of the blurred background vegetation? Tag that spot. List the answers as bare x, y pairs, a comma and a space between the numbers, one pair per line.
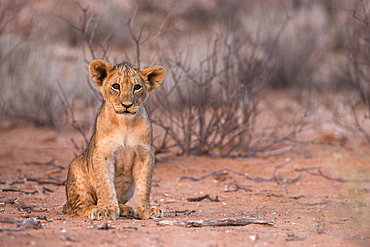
243, 77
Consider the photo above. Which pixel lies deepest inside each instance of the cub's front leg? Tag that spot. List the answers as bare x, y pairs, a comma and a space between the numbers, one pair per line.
142, 173
107, 205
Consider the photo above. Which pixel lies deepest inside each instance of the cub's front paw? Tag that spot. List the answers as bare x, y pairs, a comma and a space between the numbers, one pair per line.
103, 214
146, 213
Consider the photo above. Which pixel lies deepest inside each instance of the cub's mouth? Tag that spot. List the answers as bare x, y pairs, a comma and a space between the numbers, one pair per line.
128, 112
124, 112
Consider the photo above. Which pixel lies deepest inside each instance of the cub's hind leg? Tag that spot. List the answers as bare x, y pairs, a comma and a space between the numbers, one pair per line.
81, 198
96, 201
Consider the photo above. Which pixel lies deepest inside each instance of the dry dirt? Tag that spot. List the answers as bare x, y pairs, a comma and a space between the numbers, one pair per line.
307, 208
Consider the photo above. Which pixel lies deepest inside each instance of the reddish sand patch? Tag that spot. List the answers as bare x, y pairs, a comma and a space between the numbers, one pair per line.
308, 207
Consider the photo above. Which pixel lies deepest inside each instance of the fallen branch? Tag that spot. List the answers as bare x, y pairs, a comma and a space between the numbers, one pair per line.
105, 226
198, 199
177, 212
21, 191
48, 163
237, 187
31, 209
313, 204
217, 222
11, 201
274, 152
24, 223
17, 182
275, 195
296, 197
275, 178
44, 189
256, 179
39, 181
43, 218
309, 170
295, 238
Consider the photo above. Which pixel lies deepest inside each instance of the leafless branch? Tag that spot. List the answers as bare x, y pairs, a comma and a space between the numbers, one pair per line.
24, 223
217, 222
11, 201
47, 163
39, 181
197, 199
222, 171
70, 113
10, 23
237, 188
21, 191
212, 107
31, 209
177, 212
138, 38
358, 66
255, 179
316, 171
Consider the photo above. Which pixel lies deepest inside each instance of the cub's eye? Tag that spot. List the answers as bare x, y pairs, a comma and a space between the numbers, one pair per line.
115, 86
137, 87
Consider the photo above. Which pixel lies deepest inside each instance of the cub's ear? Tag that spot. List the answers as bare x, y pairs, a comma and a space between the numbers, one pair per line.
99, 70
154, 75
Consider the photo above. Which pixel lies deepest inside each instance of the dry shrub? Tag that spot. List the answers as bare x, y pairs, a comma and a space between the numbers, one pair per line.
30, 70
302, 50
31, 91
210, 105
210, 102
358, 68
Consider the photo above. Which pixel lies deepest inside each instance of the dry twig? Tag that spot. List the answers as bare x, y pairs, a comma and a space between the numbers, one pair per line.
198, 199
28, 192
237, 187
31, 209
255, 179
310, 171
24, 223
105, 226
44, 218
48, 163
21, 191
17, 182
217, 222
296, 197
11, 201
177, 212
39, 181
70, 112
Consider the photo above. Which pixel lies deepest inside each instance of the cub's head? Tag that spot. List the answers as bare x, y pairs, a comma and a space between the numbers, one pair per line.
124, 86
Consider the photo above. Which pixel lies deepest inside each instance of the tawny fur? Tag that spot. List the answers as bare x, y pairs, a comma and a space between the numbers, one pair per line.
118, 162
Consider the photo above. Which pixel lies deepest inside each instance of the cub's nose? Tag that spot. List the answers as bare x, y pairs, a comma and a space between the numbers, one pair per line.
126, 104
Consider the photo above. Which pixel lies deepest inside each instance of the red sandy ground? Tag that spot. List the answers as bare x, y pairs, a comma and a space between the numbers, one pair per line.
311, 211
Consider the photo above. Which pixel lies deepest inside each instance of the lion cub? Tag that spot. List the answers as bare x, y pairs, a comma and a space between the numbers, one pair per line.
118, 162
